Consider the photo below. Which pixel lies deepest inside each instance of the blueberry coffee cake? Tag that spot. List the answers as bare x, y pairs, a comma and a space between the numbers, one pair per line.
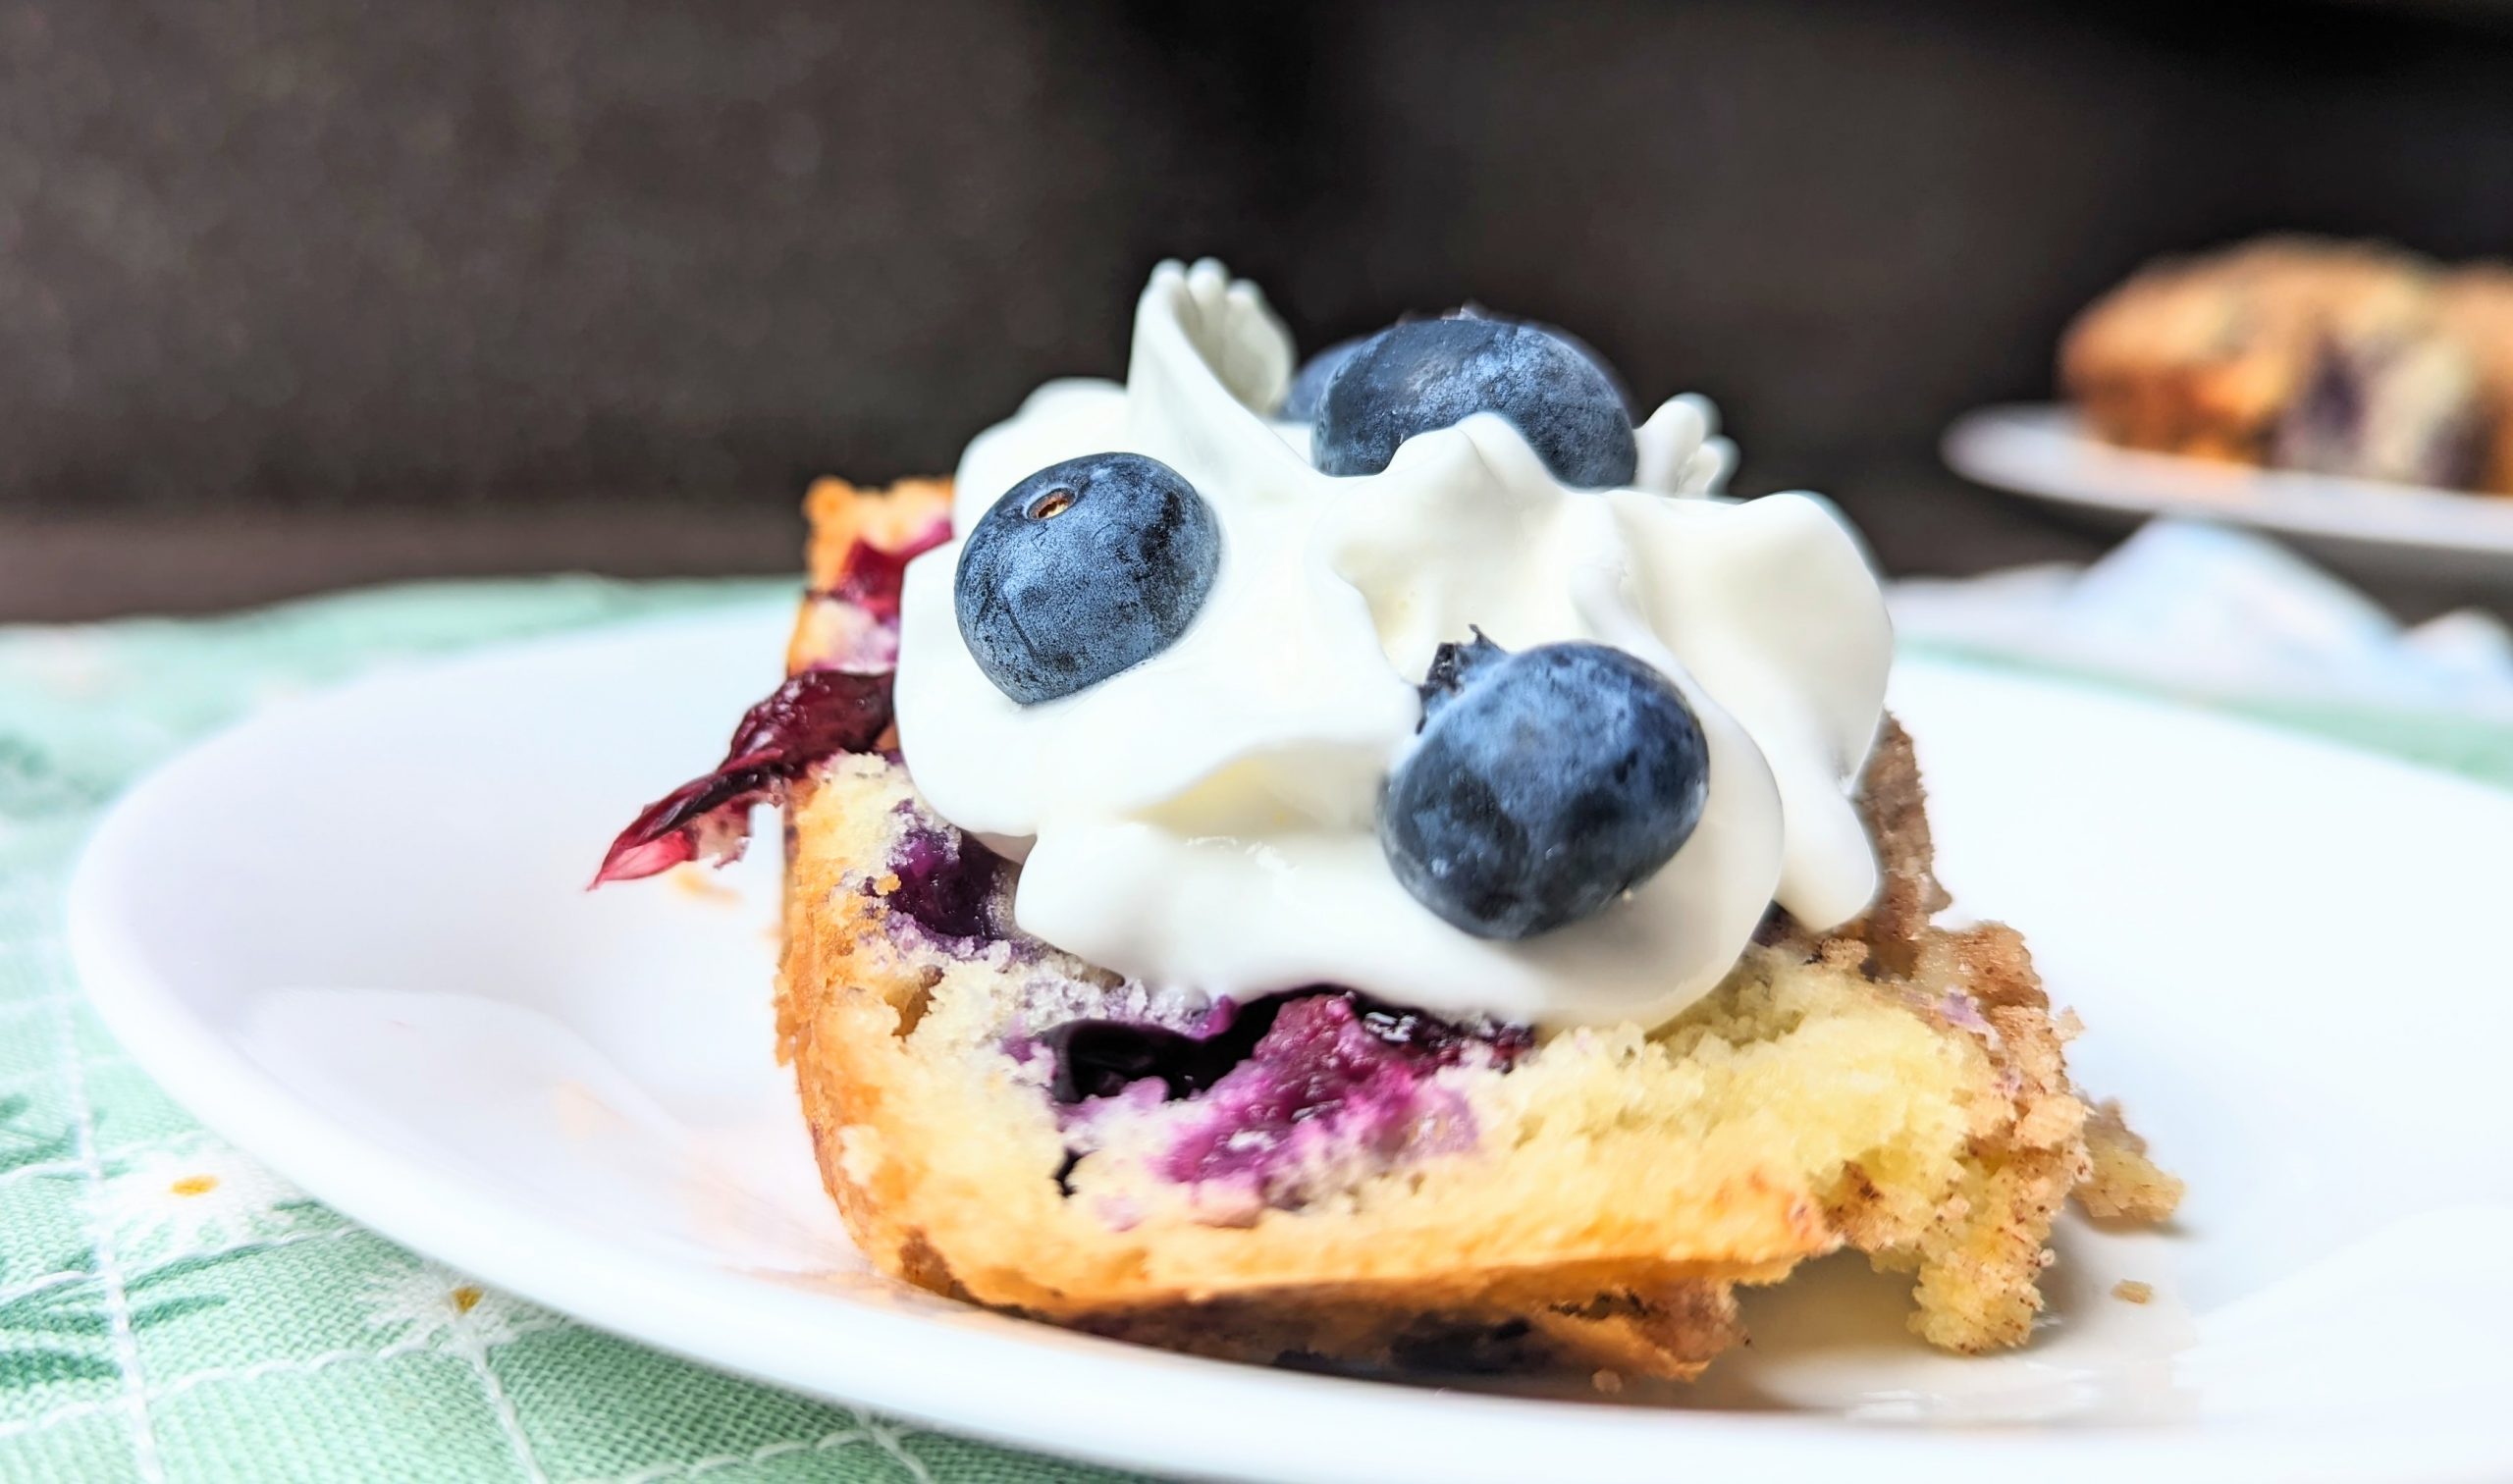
2298, 352
1423, 883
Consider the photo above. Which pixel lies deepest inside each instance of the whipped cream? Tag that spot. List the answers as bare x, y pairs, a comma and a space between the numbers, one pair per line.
1206, 820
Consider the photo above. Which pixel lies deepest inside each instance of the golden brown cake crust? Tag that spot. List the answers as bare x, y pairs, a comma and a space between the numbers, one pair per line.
842, 514
1601, 1250
1909, 896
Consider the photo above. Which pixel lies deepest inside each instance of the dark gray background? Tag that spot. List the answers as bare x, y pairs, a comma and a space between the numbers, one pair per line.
297, 294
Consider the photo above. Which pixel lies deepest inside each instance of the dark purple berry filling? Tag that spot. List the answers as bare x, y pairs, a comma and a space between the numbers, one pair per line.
809, 719
871, 576
1356, 1073
1101, 1058
1315, 1071
948, 883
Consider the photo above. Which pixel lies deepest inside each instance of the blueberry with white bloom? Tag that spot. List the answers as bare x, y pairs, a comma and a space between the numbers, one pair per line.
1544, 786
1084, 570
1427, 374
1299, 404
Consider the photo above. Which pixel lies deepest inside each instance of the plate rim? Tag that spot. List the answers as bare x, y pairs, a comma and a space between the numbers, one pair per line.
1217, 1418
1995, 446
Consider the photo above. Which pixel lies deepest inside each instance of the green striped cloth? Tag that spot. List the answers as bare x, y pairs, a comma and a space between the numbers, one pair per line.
169, 1311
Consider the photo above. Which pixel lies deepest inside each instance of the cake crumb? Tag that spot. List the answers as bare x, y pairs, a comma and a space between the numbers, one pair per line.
2131, 1291
698, 881
1608, 1383
2121, 1183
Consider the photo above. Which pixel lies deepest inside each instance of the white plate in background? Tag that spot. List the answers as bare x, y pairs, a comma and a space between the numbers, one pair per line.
351, 935
2389, 530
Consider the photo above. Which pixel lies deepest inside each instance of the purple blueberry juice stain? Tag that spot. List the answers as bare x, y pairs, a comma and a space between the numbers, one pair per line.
1960, 1010
1318, 1070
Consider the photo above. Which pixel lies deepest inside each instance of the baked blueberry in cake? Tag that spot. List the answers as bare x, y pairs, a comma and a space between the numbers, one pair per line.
1428, 884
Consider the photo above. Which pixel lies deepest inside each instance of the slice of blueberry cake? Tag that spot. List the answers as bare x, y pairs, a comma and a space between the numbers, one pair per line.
1430, 887
2292, 353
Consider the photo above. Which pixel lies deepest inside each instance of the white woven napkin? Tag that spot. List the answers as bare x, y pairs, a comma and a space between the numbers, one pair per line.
2215, 610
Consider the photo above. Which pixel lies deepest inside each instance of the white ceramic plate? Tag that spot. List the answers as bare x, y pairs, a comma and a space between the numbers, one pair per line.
2044, 454
352, 936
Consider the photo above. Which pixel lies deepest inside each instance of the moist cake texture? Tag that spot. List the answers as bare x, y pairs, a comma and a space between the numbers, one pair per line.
1321, 1178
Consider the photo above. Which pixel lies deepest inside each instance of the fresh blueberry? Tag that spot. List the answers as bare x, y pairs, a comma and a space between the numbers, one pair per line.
1588, 353
1473, 310
1299, 405
1544, 786
1427, 374
1082, 570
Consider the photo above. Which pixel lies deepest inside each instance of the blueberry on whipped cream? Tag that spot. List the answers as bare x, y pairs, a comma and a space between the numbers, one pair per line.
1545, 785
1427, 374
1383, 919
1200, 810
1082, 570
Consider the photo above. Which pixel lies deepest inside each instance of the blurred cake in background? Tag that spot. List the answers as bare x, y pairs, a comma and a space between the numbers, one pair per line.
2477, 308
2301, 353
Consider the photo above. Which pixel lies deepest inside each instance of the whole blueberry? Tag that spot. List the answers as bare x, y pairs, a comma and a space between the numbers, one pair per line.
1083, 569
1299, 405
1427, 374
1544, 786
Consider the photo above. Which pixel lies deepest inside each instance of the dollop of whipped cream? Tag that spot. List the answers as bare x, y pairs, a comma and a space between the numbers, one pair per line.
1206, 820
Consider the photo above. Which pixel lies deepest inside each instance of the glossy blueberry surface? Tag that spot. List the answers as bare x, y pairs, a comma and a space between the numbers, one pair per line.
1544, 784
1084, 570
1427, 374
1299, 405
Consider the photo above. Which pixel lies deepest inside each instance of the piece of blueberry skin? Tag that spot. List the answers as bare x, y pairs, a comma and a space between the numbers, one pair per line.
1299, 404
1544, 786
1084, 570
1424, 374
